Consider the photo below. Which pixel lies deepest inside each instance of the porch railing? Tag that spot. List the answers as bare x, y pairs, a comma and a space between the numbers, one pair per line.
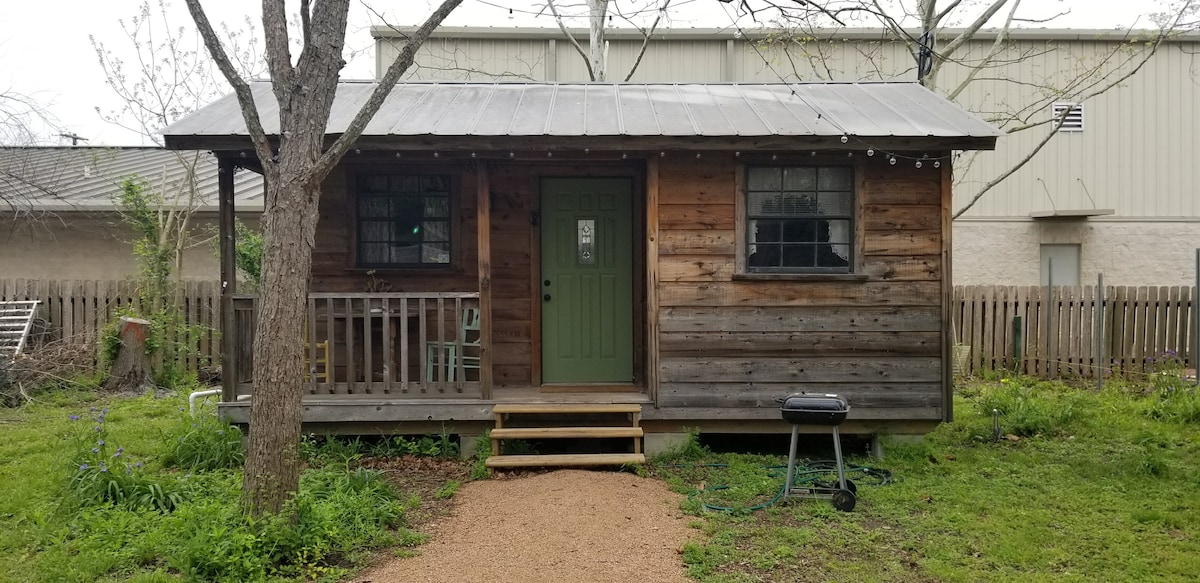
400, 344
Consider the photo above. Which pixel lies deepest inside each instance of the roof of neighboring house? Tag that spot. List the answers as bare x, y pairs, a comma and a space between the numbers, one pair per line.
700, 115
85, 178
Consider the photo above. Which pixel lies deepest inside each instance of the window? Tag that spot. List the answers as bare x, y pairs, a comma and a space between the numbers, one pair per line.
403, 221
1074, 113
799, 219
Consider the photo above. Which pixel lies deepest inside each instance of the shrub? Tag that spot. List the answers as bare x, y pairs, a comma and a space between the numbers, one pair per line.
203, 443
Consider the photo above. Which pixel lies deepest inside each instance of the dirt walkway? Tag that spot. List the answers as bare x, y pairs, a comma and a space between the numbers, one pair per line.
564, 526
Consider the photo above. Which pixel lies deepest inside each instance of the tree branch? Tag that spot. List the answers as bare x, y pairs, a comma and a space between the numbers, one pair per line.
383, 88
646, 40
587, 61
245, 96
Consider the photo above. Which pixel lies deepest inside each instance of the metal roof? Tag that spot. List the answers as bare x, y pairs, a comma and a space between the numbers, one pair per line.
732, 112
86, 178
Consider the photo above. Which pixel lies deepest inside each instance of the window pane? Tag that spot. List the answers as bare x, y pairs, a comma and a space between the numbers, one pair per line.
767, 232
403, 184
798, 203
804, 178
763, 179
406, 207
800, 231
765, 256
437, 231
373, 184
405, 253
834, 203
373, 208
836, 178
375, 231
437, 206
374, 253
836, 231
834, 255
431, 184
436, 253
798, 256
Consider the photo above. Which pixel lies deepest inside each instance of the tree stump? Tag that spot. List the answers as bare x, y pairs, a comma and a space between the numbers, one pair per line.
131, 370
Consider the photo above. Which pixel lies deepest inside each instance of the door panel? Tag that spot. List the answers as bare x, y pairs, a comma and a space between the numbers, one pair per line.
587, 276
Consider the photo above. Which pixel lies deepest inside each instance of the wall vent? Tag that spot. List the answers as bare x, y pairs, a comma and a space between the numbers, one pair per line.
1074, 113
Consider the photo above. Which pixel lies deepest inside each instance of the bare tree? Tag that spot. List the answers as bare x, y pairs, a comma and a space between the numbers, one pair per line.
597, 14
938, 35
294, 163
24, 121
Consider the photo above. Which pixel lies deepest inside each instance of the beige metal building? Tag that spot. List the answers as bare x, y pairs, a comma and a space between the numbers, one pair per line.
1114, 191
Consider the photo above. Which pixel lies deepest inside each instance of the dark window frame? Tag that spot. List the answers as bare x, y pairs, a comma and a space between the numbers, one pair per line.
823, 250
395, 195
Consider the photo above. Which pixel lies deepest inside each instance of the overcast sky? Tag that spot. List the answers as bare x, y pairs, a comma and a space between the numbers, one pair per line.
45, 52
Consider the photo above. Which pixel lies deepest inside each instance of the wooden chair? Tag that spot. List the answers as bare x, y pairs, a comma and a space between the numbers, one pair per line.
437, 353
318, 369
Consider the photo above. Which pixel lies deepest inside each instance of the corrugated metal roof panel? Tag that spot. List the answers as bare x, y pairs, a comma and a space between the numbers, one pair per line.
597, 109
87, 178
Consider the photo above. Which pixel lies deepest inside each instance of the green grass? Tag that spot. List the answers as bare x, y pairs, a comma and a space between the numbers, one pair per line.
1085, 487
134, 489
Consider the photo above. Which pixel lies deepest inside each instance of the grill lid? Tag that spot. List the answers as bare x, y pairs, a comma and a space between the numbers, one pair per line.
806, 409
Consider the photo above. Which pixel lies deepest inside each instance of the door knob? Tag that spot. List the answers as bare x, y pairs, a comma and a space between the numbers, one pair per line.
546, 297
546, 283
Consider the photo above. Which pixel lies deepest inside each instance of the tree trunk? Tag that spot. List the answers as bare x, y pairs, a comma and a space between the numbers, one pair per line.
597, 10
131, 370
273, 461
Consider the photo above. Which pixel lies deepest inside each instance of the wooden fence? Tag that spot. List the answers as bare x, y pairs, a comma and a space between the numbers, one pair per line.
1034, 330
1053, 332
77, 311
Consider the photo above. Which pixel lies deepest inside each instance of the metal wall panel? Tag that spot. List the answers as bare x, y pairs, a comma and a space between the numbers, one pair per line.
1136, 153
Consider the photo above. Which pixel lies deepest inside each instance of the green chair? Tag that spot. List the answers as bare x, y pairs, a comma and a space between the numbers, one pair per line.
437, 353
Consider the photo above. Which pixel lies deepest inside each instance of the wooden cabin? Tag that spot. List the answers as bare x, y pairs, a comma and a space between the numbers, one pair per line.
687, 252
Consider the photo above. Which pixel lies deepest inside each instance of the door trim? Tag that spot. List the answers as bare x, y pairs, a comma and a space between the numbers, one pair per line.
599, 169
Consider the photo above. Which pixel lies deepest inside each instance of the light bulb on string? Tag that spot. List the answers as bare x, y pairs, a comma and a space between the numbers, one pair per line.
919, 164
845, 138
870, 152
892, 160
937, 163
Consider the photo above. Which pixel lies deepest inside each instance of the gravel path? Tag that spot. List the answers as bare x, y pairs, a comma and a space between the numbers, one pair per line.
564, 526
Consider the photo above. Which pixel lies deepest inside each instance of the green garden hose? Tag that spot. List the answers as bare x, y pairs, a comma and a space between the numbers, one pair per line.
808, 473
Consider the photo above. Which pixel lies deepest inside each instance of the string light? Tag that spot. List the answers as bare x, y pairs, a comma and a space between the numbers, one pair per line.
937, 163
845, 138
435, 154
549, 154
398, 154
870, 151
511, 155
892, 160
918, 163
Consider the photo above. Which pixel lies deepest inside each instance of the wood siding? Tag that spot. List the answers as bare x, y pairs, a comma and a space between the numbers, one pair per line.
731, 342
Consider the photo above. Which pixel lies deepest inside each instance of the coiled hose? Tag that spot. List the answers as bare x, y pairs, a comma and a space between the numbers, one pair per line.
806, 473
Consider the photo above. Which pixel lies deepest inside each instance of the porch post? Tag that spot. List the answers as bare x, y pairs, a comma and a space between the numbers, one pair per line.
652, 325
225, 206
483, 230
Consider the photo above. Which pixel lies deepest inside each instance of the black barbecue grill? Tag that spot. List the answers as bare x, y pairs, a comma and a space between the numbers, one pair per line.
826, 410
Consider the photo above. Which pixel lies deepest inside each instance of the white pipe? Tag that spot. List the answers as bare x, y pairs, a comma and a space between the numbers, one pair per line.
198, 394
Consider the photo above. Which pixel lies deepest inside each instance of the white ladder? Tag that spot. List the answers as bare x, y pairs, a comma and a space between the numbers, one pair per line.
16, 318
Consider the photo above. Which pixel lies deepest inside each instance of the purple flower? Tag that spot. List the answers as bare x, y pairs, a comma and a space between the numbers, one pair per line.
139, 464
101, 442
94, 450
128, 472
98, 430
104, 411
74, 418
83, 467
118, 454
103, 468
93, 409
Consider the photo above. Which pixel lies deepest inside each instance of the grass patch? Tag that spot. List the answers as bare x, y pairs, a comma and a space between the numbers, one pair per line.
134, 489
1089, 487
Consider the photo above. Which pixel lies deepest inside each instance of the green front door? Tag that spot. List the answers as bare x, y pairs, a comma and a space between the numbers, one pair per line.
587, 280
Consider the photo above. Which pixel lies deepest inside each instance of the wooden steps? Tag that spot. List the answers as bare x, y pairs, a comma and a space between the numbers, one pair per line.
565, 459
541, 421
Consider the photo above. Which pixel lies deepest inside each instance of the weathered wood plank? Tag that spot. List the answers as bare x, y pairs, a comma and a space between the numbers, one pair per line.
858, 395
695, 242
653, 274
776, 319
796, 342
787, 293
800, 369
695, 268
699, 216
890, 217
902, 243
